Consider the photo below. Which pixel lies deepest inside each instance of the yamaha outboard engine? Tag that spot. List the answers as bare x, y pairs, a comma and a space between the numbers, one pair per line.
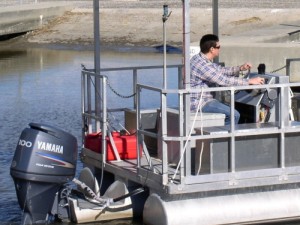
45, 159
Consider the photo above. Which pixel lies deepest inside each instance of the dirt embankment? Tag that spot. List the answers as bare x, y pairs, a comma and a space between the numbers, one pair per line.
144, 27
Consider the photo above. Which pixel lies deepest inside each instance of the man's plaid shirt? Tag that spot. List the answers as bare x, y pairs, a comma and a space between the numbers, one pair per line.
205, 73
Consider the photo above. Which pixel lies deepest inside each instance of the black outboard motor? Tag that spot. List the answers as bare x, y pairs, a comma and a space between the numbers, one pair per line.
45, 159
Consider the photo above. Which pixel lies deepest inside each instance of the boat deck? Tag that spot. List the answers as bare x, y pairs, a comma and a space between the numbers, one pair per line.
127, 167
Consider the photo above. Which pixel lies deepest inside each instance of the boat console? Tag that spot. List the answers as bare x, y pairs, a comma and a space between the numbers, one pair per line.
259, 105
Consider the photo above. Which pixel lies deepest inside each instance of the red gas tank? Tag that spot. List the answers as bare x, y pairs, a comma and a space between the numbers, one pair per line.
125, 144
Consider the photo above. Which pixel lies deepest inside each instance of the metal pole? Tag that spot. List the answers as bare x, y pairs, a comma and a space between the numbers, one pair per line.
186, 42
97, 60
186, 79
216, 22
215, 17
164, 100
164, 19
96, 37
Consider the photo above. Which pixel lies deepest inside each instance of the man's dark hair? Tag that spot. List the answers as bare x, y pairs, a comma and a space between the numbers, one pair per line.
208, 41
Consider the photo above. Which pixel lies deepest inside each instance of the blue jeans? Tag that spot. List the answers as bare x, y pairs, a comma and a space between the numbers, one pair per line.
217, 107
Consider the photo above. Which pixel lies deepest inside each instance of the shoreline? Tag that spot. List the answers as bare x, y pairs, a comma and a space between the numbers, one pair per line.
144, 27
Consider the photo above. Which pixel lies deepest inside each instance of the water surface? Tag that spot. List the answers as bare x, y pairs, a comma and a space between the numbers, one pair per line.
42, 85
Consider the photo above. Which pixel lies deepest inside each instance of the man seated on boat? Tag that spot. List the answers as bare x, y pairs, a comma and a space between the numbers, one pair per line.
205, 73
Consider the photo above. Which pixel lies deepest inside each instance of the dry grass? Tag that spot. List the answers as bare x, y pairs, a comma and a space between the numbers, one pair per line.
253, 19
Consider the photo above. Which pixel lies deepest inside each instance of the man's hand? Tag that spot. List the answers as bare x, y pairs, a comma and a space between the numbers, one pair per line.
245, 66
256, 80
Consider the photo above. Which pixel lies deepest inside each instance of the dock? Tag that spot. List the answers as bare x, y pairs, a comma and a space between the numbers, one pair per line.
18, 19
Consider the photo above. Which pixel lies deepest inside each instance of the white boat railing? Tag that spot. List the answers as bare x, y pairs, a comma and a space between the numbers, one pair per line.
281, 129
282, 126
89, 90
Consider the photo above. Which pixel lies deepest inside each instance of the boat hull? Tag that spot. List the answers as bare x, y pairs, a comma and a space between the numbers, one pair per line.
230, 209
93, 213
83, 211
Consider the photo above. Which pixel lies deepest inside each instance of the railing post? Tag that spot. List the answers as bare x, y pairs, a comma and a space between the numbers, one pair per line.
180, 78
83, 92
284, 121
138, 124
89, 101
185, 165
164, 134
104, 117
232, 131
134, 79
288, 65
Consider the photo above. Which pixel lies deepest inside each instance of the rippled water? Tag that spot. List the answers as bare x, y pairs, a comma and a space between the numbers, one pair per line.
36, 85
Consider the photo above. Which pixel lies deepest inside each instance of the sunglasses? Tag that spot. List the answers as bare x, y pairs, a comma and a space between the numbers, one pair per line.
218, 47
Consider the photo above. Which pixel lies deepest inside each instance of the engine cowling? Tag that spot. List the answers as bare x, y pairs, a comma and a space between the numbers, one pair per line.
45, 159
